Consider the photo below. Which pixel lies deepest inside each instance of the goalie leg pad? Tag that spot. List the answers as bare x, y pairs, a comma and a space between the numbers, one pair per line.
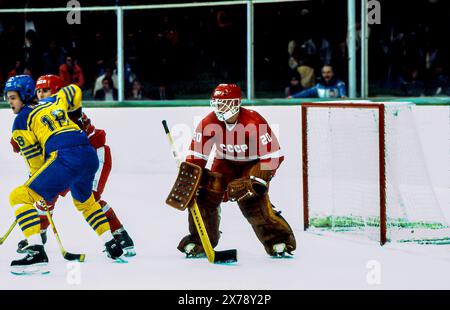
269, 226
210, 196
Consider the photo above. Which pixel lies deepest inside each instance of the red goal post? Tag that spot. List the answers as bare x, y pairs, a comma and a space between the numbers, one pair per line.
379, 107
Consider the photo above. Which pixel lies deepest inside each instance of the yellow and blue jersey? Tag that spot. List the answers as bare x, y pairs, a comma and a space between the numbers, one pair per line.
38, 129
70, 95
60, 157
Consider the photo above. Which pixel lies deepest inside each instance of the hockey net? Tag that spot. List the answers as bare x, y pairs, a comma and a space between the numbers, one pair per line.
364, 173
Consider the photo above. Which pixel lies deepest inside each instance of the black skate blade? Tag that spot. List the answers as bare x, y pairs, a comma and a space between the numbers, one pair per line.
282, 256
225, 257
120, 260
35, 269
117, 260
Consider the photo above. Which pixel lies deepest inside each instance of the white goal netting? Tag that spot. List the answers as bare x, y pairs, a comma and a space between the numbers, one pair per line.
343, 175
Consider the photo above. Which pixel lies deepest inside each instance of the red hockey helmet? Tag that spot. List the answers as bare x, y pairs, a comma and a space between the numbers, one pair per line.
226, 101
53, 82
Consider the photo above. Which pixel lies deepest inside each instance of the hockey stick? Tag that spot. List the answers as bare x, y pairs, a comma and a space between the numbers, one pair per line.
3, 239
227, 256
65, 254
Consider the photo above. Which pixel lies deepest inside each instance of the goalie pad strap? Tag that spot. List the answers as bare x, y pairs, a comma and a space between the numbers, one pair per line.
259, 180
260, 172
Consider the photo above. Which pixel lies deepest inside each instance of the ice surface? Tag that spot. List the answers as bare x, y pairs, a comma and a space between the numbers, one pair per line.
143, 172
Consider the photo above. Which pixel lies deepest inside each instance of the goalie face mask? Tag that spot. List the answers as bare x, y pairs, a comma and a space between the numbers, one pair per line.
226, 101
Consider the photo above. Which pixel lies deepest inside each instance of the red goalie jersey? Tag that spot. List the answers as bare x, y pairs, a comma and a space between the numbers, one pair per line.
248, 140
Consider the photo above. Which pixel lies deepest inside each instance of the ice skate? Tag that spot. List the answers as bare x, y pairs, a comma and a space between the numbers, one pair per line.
125, 242
114, 251
193, 250
35, 262
280, 250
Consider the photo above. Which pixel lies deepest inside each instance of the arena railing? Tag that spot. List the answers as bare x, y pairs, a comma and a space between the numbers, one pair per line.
420, 101
120, 28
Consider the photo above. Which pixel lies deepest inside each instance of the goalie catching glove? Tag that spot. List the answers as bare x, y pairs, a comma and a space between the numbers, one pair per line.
256, 184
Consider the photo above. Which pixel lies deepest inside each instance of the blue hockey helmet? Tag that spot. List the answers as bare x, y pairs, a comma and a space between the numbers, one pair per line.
24, 85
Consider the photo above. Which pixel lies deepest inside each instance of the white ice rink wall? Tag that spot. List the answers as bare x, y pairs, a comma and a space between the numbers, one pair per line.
139, 147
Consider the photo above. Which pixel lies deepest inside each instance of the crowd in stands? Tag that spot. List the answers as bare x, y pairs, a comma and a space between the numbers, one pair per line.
90, 62
188, 50
407, 54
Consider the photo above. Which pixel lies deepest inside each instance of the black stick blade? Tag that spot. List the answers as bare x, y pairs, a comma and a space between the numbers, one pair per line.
74, 257
225, 257
166, 128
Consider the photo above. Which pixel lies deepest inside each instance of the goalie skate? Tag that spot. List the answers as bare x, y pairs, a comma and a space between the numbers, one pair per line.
279, 250
191, 250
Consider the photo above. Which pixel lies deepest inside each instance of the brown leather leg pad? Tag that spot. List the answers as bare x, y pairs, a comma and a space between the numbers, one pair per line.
269, 226
208, 201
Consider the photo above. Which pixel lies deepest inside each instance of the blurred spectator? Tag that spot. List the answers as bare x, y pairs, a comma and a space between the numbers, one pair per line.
108, 92
131, 48
292, 48
430, 55
70, 72
440, 84
27, 71
410, 83
29, 24
318, 49
73, 44
52, 58
19, 68
130, 76
328, 87
109, 73
99, 51
302, 63
294, 85
306, 71
293, 63
31, 52
137, 91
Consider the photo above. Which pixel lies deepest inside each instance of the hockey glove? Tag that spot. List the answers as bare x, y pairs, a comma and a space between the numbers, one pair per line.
245, 188
15, 146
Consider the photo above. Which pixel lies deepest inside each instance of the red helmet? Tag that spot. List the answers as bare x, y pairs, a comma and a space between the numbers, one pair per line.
53, 82
226, 101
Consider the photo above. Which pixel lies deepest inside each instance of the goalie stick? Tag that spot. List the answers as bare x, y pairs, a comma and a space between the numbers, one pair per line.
227, 256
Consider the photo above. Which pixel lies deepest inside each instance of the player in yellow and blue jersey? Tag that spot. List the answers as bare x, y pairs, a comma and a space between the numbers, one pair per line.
49, 85
59, 156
